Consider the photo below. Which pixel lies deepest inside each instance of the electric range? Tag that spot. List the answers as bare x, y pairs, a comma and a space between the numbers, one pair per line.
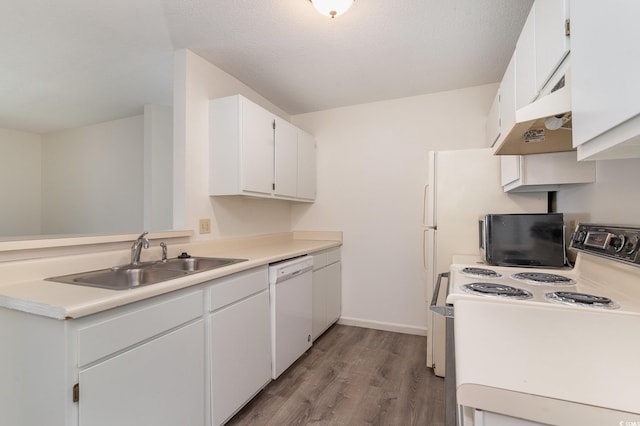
553, 346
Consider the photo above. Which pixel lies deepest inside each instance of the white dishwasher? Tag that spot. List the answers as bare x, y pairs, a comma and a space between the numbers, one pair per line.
290, 290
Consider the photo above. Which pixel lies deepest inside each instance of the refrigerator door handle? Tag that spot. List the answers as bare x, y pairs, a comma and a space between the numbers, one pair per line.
444, 310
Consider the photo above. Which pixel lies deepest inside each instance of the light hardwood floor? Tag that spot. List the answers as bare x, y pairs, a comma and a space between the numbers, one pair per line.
353, 376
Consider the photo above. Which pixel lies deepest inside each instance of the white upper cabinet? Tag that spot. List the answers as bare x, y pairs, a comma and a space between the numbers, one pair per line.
544, 172
551, 38
254, 152
538, 64
286, 159
507, 105
541, 48
306, 166
255, 131
605, 69
492, 127
526, 62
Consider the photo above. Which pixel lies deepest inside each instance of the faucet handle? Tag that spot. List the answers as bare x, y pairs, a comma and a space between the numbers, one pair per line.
163, 245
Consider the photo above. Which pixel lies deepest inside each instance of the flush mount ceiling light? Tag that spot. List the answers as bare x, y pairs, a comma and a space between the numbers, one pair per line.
332, 8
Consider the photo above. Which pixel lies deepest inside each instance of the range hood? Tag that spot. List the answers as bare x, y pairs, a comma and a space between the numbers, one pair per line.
544, 125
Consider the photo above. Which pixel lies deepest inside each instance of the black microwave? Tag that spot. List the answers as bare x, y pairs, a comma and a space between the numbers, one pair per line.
523, 239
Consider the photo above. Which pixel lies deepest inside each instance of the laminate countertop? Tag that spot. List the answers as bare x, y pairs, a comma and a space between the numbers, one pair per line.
23, 286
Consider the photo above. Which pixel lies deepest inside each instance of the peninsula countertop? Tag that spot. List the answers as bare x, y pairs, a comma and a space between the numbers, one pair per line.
23, 286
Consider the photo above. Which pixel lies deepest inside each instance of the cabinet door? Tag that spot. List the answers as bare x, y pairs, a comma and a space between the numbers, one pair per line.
526, 62
508, 100
604, 66
492, 127
509, 169
334, 292
159, 383
319, 306
552, 43
286, 158
257, 148
327, 297
306, 166
545, 172
240, 354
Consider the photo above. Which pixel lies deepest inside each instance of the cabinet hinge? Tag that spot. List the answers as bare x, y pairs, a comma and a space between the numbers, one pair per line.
274, 124
76, 392
567, 27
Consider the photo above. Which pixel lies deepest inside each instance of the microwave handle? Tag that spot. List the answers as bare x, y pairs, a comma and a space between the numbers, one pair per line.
444, 310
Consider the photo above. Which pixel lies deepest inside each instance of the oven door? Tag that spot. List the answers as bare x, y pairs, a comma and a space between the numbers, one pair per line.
446, 310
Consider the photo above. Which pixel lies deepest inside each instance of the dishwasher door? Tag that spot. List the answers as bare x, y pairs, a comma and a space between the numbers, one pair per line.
290, 291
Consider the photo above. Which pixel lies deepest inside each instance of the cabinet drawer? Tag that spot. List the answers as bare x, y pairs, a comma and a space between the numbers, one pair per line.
319, 260
333, 256
325, 257
237, 286
125, 329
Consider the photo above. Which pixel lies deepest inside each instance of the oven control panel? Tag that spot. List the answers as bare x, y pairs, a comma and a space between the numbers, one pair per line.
614, 242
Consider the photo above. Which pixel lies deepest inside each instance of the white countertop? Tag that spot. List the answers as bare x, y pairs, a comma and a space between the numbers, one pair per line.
23, 286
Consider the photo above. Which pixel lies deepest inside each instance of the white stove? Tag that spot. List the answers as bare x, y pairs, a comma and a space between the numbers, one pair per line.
553, 346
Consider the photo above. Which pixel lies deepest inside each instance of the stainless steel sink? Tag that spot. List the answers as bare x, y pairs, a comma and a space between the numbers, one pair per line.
120, 278
130, 276
195, 264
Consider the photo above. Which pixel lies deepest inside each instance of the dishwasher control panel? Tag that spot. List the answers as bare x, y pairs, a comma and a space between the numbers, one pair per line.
286, 269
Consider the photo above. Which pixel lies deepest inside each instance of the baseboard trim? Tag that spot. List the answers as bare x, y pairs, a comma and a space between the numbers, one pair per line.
386, 326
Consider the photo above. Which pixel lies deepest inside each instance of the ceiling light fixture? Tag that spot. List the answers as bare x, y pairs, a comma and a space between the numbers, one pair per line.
332, 8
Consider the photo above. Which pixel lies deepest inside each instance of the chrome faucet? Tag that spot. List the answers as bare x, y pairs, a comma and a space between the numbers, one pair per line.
137, 246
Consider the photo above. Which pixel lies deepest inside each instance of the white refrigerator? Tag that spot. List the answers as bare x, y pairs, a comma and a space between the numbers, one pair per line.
461, 187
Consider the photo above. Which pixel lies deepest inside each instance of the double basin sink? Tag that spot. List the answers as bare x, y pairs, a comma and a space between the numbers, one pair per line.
132, 276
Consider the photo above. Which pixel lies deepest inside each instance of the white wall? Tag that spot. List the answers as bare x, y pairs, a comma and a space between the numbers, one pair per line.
20, 183
158, 167
92, 178
612, 199
371, 171
196, 82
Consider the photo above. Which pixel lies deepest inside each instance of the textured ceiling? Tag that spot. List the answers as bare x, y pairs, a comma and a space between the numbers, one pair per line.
76, 62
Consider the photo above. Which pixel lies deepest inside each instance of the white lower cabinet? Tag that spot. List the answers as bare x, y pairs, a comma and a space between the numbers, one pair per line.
191, 357
139, 364
157, 383
143, 363
240, 345
327, 290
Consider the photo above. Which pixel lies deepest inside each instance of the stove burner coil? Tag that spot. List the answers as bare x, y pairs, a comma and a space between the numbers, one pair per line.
500, 290
542, 278
480, 273
581, 299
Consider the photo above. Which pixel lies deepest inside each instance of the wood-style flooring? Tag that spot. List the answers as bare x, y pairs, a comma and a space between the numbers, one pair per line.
353, 376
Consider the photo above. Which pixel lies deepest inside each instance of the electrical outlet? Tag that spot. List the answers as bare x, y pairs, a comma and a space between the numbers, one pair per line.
205, 226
